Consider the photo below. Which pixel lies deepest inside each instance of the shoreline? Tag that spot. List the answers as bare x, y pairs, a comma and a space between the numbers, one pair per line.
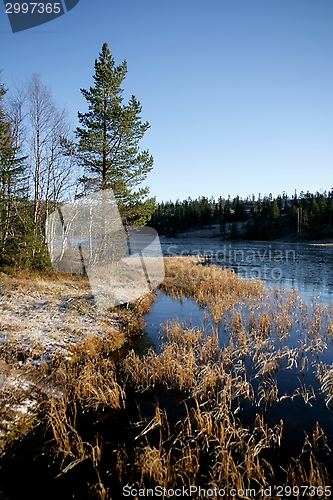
192, 235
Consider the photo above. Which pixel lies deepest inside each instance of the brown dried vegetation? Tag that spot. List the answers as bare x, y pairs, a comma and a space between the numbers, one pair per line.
95, 413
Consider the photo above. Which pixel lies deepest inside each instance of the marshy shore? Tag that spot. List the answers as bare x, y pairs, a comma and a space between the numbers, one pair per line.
212, 409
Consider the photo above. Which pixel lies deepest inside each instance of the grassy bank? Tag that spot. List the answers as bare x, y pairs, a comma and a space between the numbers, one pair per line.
47, 320
199, 413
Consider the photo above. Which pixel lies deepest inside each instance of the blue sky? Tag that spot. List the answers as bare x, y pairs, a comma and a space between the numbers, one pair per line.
239, 93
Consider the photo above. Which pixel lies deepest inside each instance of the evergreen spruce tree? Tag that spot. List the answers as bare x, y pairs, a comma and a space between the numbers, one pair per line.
108, 142
275, 213
12, 185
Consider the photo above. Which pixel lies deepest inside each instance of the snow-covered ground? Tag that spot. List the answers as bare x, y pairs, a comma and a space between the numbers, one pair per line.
41, 319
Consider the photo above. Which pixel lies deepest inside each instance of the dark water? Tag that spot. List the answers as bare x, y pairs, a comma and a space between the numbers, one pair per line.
298, 417
305, 267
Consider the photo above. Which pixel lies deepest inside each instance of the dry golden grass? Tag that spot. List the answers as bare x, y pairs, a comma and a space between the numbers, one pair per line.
325, 377
218, 289
48, 319
209, 445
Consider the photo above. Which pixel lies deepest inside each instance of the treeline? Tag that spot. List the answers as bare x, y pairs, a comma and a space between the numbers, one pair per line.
305, 215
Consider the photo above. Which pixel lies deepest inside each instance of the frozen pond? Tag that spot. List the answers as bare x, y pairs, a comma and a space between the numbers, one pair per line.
306, 267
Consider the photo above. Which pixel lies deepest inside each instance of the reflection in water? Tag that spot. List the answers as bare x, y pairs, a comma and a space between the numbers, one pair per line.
302, 266
291, 378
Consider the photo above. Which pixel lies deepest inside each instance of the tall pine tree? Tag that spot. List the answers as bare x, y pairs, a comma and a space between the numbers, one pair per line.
108, 142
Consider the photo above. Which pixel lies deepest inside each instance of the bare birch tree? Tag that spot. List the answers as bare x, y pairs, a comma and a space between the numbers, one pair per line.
52, 165
42, 131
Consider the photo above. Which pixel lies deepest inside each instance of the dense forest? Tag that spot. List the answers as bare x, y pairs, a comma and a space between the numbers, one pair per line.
301, 216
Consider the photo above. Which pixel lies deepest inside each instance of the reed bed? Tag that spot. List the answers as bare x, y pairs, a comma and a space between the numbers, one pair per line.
216, 288
198, 411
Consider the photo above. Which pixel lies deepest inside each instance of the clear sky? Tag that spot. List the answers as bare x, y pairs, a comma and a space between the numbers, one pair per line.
239, 93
